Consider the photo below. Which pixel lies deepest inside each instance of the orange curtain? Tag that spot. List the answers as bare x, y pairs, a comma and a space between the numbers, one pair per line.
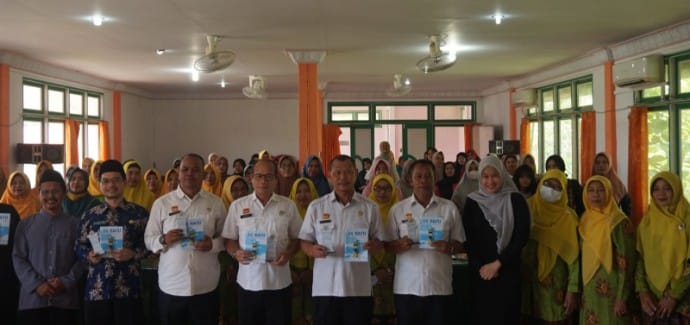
588, 143
103, 140
525, 141
638, 158
468, 136
331, 143
71, 146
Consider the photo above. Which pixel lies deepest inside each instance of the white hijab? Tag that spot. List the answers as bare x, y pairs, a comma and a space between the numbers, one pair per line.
497, 207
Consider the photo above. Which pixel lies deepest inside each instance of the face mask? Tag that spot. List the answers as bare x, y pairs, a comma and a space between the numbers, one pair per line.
473, 174
549, 195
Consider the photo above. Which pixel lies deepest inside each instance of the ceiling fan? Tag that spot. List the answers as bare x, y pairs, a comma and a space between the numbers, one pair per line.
214, 60
437, 60
400, 87
256, 88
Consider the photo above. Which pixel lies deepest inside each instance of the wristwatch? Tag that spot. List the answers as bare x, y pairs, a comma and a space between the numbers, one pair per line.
161, 240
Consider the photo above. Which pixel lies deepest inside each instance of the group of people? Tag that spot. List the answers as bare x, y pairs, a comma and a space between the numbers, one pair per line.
271, 245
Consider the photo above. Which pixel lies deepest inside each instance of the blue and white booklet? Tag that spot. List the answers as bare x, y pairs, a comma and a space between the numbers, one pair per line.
256, 243
110, 239
354, 245
4, 228
430, 230
193, 229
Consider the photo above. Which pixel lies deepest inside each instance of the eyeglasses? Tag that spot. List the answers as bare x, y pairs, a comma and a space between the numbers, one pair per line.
383, 189
266, 177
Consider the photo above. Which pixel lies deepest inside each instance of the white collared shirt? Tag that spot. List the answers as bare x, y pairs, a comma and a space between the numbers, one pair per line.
424, 272
184, 271
281, 222
333, 276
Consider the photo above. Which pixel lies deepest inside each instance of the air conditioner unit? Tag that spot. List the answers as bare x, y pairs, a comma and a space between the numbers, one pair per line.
525, 97
644, 72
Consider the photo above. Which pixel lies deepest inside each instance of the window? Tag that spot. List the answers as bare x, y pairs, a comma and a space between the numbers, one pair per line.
555, 123
668, 120
410, 127
45, 108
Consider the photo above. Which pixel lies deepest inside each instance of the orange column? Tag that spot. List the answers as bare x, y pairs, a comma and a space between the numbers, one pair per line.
4, 117
117, 126
511, 114
310, 112
610, 114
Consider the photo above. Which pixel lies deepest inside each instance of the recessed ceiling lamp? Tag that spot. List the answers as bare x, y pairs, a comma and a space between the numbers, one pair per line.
223, 83
437, 60
161, 51
195, 75
97, 20
498, 18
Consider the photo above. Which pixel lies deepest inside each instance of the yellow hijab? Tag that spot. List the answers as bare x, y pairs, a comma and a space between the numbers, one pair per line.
384, 207
94, 188
166, 181
217, 187
226, 194
42, 163
554, 227
595, 229
138, 194
662, 236
157, 193
293, 193
26, 205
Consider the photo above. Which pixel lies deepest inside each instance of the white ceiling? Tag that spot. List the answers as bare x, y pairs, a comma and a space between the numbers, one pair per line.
367, 41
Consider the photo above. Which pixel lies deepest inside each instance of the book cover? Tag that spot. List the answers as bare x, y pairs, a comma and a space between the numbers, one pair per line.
110, 238
4, 228
354, 245
430, 230
255, 242
95, 243
195, 229
181, 223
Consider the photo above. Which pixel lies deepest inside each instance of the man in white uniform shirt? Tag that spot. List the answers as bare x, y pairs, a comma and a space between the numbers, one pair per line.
262, 230
426, 230
188, 271
341, 288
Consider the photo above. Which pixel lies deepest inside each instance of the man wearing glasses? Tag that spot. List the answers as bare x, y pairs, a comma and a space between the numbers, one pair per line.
262, 230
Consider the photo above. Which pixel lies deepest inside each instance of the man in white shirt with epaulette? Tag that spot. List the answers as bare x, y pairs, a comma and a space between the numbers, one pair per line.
261, 231
188, 271
341, 288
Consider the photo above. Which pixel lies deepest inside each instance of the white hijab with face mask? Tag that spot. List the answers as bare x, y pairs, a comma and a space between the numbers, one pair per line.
497, 207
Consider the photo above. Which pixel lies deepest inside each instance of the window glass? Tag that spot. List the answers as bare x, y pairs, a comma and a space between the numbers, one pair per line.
565, 143
32, 131
684, 76
93, 106
547, 100
412, 112
76, 104
658, 138
33, 97
453, 112
584, 94
349, 113
685, 149
565, 98
549, 138
56, 101
93, 136
534, 143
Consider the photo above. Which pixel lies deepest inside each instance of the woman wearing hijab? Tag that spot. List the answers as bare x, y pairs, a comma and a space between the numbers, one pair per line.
602, 166
379, 166
404, 185
41, 167
574, 188
497, 221
211, 181
446, 186
234, 188
287, 174
19, 195
313, 169
438, 159
170, 181
385, 195
222, 165
663, 236
525, 180
153, 182
3, 180
86, 164
528, 160
608, 254
301, 266
94, 188
135, 189
551, 293
468, 184
78, 200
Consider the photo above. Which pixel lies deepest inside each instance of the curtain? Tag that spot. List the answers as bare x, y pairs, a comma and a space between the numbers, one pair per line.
71, 143
525, 141
588, 143
103, 140
468, 136
331, 144
637, 159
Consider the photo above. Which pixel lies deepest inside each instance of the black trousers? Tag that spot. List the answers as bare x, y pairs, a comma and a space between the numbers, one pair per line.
416, 310
114, 312
198, 310
47, 316
270, 307
342, 310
